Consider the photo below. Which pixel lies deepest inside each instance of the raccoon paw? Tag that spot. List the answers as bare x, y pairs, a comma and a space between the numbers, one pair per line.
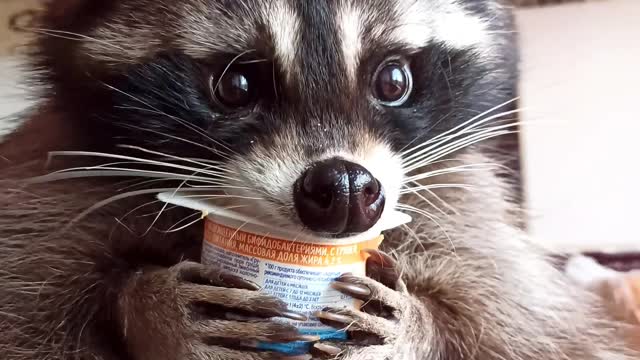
388, 323
195, 312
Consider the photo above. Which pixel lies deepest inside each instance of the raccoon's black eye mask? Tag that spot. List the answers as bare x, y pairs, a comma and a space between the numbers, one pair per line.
235, 97
237, 88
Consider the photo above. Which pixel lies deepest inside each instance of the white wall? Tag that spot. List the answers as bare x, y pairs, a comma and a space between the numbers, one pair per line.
581, 88
12, 94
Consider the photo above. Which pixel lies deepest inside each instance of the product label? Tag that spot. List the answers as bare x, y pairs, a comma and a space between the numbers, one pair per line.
298, 273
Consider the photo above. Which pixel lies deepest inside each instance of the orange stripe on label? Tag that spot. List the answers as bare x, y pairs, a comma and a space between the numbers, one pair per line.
286, 251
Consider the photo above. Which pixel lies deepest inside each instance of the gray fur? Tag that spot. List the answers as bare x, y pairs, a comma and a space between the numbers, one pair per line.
474, 286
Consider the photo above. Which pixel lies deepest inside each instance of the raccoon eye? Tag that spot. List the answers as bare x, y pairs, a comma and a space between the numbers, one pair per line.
393, 83
232, 91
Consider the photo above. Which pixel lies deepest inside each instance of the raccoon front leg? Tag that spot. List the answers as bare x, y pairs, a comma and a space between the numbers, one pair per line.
194, 312
392, 323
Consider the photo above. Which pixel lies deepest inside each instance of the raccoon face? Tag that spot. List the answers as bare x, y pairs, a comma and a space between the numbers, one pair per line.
309, 112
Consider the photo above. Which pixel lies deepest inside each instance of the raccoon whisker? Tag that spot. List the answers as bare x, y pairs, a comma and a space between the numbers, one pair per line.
414, 209
466, 123
143, 183
194, 185
430, 217
135, 184
414, 239
183, 123
121, 223
410, 170
221, 196
120, 219
300, 232
134, 159
176, 227
462, 144
180, 121
164, 207
431, 146
406, 148
224, 72
189, 186
446, 78
450, 170
450, 148
169, 136
253, 61
431, 193
214, 151
423, 198
273, 76
166, 204
443, 138
438, 186
208, 161
118, 165
122, 157
445, 143
68, 35
118, 172
266, 216
270, 216
446, 160
446, 204
214, 175
178, 189
208, 166
447, 170
168, 208
113, 199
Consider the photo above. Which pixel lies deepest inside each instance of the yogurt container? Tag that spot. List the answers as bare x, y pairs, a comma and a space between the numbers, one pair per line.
297, 268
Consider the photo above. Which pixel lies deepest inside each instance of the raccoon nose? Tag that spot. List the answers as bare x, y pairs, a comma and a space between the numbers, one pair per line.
338, 197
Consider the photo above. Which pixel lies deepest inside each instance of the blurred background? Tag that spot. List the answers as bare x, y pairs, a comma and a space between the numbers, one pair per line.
580, 92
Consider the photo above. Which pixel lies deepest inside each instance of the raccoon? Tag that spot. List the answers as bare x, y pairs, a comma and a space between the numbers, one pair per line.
316, 116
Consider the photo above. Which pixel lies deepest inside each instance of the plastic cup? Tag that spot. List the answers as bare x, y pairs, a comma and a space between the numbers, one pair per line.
294, 267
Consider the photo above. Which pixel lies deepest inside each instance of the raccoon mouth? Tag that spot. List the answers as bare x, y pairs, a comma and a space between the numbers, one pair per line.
339, 198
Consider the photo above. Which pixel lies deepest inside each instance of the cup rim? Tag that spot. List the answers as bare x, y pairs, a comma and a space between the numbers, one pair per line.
230, 218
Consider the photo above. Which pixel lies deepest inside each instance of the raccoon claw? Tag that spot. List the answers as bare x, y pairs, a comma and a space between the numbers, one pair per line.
383, 304
206, 352
380, 258
207, 292
384, 269
358, 323
355, 290
350, 351
322, 350
328, 315
387, 312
